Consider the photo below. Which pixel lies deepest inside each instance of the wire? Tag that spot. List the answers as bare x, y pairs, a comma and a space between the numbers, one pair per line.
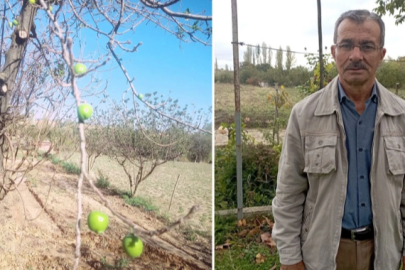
274, 49
270, 48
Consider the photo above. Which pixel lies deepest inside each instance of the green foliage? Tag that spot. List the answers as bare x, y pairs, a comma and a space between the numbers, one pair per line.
390, 73
70, 168
250, 74
200, 147
313, 84
102, 180
140, 202
391, 6
223, 76
54, 159
259, 171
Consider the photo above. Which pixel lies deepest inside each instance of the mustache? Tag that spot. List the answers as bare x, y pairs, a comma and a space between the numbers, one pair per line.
352, 65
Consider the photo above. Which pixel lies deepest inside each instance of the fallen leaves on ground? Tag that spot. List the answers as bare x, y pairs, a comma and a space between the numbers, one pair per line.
260, 258
224, 246
268, 240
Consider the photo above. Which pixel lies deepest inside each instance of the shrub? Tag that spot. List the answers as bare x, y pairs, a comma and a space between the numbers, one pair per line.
102, 180
259, 173
140, 202
70, 168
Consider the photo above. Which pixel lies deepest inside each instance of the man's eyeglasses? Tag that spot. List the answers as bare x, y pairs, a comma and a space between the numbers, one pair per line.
348, 47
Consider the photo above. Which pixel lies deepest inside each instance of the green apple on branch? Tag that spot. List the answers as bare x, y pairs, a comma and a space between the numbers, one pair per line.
132, 245
80, 68
97, 221
84, 111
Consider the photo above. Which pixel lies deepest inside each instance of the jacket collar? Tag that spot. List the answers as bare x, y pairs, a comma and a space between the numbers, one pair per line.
329, 100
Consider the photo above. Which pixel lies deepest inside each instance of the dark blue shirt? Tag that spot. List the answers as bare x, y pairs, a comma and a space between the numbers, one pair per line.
359, 141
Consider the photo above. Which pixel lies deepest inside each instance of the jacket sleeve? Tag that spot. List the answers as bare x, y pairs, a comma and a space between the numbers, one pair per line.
288, 203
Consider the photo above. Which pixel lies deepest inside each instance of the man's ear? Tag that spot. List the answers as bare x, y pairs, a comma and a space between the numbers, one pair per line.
382, 54
333, 51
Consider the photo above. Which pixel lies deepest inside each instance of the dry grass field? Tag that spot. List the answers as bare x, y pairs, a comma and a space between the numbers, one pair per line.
32, 238
254, 106
194, 187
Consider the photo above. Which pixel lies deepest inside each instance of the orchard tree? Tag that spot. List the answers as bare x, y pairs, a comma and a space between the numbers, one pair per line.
264, 52
290, 58
40, 73
279, 59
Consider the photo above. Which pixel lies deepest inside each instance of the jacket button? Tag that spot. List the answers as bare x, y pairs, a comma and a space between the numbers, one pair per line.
320, 142
306, 229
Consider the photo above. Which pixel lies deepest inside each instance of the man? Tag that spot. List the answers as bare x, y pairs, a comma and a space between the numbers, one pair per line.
340, 190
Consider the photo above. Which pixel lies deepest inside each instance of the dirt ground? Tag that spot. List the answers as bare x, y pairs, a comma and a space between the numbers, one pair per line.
32, 238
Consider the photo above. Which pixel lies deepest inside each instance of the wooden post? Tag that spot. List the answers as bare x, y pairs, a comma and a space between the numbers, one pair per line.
237, 109
275, 125
321, 70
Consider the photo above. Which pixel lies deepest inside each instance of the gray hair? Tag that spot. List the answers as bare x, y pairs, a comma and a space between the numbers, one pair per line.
359, 16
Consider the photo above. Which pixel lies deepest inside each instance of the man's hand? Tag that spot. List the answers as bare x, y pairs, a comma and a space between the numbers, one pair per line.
300, 266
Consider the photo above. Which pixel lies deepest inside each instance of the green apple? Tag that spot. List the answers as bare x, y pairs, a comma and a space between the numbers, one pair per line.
50, 8
140, 96
15, 22
32, 1
97, 221
10, 24
84, 111
79, 68
132, 245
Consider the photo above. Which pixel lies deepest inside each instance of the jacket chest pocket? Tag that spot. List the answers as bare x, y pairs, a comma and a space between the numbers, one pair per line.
320, 154
395, 152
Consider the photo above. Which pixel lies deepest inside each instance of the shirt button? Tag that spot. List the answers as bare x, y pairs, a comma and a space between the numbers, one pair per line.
360, 149
361, 176
360, 122
363, 204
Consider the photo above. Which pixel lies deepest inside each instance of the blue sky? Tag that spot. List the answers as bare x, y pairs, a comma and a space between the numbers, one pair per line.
161, 64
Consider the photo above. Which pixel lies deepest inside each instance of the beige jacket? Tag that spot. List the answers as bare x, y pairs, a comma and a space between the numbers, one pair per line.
311, 184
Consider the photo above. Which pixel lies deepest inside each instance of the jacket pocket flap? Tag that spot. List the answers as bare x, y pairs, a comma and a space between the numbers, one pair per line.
395, 143
314, 142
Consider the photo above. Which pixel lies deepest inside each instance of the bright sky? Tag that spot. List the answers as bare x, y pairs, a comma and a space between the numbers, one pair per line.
293, 23
161, 64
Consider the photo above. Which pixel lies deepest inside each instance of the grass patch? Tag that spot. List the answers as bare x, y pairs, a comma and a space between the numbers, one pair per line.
242, 251
69, 167
102, 180
118, 264
140, 202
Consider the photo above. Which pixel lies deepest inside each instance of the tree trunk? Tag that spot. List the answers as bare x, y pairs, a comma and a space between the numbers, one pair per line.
14, 56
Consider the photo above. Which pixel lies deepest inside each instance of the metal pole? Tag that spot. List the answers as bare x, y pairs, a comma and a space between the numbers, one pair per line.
320, 45
237, 109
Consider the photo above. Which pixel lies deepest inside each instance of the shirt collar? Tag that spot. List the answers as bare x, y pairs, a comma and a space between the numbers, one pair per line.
342, 94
